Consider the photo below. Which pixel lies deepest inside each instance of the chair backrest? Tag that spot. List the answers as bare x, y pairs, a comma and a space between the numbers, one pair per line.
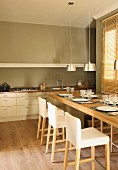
73, 129
52, 114
42, 107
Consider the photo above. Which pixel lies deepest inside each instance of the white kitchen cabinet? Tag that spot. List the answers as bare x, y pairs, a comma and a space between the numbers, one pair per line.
27, 104
42, 94
19, 105
7, 95
7, 101
27, 110
7, 111
7, 104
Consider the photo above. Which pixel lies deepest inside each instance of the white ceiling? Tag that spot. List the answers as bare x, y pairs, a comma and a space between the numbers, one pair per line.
54, 12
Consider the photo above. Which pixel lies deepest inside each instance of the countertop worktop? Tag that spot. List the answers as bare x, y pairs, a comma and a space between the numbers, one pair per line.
50, 89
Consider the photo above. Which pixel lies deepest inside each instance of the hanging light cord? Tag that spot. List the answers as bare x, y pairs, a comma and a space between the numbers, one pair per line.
70, 3
89, 34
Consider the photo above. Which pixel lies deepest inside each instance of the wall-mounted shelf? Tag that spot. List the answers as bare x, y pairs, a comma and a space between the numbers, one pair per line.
8, 65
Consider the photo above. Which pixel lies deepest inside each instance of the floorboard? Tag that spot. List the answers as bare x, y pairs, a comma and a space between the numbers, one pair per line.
20, 150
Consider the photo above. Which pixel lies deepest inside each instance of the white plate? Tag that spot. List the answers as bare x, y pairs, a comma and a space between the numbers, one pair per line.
107, 108
92, 96
80, 100
64, 95
110, 102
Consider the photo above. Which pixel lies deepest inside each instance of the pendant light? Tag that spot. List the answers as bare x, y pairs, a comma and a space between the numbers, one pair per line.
89, 66
71, 67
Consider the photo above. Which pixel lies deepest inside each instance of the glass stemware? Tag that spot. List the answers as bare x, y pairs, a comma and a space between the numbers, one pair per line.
68, 89
72, 90
82, 93
89, 93
114, 99
105, 99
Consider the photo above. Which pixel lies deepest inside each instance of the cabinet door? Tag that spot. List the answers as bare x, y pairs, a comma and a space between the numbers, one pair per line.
7, 101
27, 110
33, 100
22, 110
42, 94
7, 111
22, 101
22, 94
33, 109
7, 94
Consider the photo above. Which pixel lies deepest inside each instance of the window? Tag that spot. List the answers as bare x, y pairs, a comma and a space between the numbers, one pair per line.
109, 80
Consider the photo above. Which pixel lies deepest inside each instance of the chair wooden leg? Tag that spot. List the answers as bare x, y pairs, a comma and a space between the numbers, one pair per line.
101, 126
66, 155
93, 157
63, 133
39, 124
43, 130
53, 144
93, 121
48, 138
77, 159
107, 155
111, 138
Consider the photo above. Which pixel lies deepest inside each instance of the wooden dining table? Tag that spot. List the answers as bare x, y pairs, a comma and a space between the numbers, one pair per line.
88, 108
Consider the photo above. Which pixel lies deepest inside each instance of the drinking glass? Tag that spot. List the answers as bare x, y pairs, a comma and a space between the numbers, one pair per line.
82, 93
105, 98
68, 89
89, 93
72, 90
114, 99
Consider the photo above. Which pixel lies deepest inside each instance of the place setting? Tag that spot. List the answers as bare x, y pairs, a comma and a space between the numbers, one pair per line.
85, 97
109, 104
69, 94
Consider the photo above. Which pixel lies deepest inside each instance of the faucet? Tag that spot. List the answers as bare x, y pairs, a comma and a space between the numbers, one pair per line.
61, 81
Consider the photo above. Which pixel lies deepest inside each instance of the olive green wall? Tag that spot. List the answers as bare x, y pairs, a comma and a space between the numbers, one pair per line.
34, 43
40, 43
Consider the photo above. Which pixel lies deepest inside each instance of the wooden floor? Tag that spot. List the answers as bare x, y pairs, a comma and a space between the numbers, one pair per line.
20, 150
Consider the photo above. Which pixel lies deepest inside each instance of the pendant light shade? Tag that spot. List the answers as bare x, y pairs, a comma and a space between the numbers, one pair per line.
116, 65
71, 67
89, 66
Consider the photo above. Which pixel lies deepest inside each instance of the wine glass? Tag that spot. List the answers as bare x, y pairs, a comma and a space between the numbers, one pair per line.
114, 99
72, 90
68, 89
82, 93
105, 98
89, 92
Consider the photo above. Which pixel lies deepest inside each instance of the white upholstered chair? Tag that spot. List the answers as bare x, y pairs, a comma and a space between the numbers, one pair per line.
82, 138
112, 132
43, 115
56, 121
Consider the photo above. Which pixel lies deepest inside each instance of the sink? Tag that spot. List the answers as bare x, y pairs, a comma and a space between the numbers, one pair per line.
56, 88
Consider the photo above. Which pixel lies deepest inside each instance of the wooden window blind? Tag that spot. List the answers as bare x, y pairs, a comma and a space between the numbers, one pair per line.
109, 78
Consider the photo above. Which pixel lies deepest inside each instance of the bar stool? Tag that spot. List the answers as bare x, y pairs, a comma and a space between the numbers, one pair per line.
111, 133
82, 138
113, 142
43, 115
56, 121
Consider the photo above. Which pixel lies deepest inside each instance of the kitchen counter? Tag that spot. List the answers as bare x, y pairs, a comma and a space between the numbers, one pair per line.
49, 89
